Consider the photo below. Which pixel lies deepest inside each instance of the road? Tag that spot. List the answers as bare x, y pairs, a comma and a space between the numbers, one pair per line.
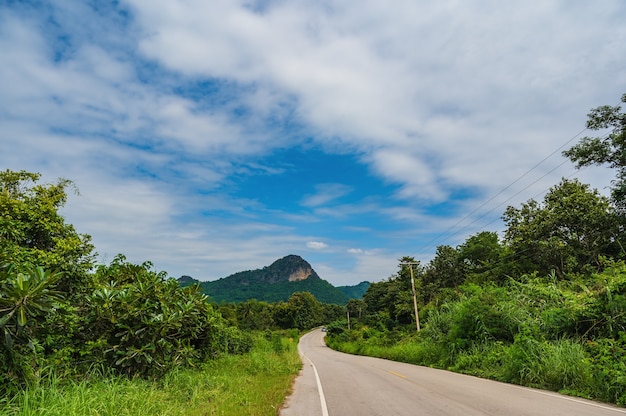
333, 383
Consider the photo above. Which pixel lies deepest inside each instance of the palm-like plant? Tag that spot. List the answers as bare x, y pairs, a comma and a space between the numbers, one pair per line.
25, 297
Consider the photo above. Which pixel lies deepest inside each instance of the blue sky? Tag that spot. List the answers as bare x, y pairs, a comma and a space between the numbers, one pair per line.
211, 137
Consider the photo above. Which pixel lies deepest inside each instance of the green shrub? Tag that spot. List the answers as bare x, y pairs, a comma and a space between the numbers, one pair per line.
609, 369
554, 365
486, 360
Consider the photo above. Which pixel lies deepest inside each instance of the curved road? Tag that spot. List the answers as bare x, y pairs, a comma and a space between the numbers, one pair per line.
334, 383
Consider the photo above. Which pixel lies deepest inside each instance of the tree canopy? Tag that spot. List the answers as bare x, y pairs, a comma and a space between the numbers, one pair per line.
34, 233
569, 232
609, 149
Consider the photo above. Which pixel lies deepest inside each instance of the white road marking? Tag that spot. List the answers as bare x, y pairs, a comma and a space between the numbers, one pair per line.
319, 388
571, 399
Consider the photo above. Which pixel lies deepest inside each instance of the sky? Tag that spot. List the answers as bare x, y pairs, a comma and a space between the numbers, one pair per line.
215, 136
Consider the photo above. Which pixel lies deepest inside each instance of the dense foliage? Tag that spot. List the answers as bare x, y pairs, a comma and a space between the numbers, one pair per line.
59, 311
356, 291
301, 311
545, 306
254, 383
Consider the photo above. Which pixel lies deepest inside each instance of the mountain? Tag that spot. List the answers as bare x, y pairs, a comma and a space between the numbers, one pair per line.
355, 292
273, 283
187, 281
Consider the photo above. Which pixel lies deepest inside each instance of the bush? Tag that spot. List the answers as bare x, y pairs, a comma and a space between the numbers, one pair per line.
609, 369
554, 365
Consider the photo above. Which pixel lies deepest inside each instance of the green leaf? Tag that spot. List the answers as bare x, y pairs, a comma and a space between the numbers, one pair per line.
5, 318
21, 316
8, 340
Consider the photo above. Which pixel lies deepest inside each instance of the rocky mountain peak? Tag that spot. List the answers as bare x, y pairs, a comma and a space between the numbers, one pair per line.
290, 268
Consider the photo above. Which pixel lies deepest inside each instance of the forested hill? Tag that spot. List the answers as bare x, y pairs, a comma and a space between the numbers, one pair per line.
274, 283
355, 292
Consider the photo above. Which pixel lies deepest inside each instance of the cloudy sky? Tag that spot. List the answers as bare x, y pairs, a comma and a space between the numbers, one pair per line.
214, 136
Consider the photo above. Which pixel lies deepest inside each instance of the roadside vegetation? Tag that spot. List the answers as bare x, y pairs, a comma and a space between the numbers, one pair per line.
543, 306
77, 337
254, 383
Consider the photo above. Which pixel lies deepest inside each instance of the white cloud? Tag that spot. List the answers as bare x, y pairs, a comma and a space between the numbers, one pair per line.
326, 192
431, 95
316, 245
435, 97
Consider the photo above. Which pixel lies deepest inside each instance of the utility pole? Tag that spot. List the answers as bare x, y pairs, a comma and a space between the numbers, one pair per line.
348, 313
417, 317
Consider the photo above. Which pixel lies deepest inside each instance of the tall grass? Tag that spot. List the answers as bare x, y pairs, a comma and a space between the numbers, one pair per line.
255, 383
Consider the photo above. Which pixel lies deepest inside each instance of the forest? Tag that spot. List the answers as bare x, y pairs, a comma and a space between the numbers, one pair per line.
541, 305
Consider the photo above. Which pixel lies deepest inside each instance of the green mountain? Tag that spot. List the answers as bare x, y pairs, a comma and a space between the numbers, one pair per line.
355, 292
273, 283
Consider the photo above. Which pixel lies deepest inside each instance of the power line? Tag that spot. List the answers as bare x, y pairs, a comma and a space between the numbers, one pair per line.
448, 232
455, 225
533, 197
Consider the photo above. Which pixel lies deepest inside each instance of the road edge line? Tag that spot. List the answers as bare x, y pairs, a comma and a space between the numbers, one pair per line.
319, 387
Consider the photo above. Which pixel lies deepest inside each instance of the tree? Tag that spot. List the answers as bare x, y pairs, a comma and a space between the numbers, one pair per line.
445, 270
24, 298
331, 312
607, 150
480, 251
481, 255
255, 315
569, 232
390, 302
306, 310
301, 311
33, 232
356, 308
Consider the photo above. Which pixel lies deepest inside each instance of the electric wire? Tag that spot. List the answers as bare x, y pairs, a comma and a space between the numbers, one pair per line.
454, 230
448, 232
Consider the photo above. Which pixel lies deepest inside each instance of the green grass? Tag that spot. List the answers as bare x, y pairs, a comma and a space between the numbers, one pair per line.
252, 384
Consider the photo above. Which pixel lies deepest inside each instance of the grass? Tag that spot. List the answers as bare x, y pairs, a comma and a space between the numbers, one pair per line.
252, 384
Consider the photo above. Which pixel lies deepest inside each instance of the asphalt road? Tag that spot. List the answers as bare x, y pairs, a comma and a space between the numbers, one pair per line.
334, 383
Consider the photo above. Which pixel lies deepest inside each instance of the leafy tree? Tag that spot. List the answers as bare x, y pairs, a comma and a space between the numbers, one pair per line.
445, 270
306, 310
303, 311
571, 231
481, 255
356, 307
33, 233
255, 315
283, 315
390, 302
331, 312
42, 261
24, 298
607, 150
